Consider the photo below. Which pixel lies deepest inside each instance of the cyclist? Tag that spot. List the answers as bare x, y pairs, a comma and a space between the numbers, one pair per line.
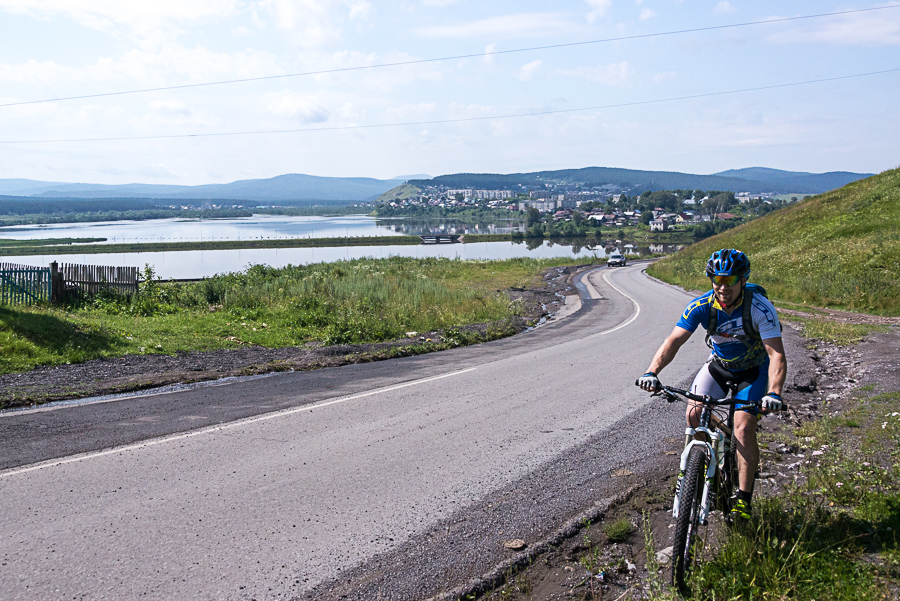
751, 357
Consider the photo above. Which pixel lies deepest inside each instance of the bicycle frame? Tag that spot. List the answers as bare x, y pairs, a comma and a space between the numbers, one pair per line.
716, 446
704, 466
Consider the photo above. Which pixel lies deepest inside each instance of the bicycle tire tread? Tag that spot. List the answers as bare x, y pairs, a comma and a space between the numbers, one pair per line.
688, 508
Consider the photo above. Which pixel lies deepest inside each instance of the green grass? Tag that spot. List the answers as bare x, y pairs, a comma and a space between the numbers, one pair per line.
7, 244
367, 300
838, 249
33, 247
842, 334
619, 530
834, 536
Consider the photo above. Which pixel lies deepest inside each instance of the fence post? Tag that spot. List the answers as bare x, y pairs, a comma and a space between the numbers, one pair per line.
57, 284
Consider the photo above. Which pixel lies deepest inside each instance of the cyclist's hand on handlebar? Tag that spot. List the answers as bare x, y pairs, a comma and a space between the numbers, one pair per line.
649, 382
772, 402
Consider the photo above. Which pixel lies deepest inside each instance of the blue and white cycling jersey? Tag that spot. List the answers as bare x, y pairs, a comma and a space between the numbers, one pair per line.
728, 342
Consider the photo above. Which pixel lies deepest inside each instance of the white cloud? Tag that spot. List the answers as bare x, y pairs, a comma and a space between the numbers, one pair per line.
723, 8
170, 107
598, 9
312, 23
523, 24
172, 64
664, 76
143, 18
526, 72
242, 32
615, 74
865, 29
296, 107
647, 13
359, 8
463, 111
384, 79
169, 112
439, 2
489, 53
410, 112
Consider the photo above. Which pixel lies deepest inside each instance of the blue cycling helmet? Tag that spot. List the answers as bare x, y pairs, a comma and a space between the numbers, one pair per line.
728, 261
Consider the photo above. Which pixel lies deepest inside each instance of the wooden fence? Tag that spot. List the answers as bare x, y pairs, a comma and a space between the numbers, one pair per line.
92, 279
24, 284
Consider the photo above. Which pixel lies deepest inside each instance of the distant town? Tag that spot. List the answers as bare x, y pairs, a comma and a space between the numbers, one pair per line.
603, 206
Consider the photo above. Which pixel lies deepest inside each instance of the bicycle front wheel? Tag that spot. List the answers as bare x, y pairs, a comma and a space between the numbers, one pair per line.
688, 515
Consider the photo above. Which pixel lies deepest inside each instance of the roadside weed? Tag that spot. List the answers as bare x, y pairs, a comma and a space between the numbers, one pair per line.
841, 334
619, 530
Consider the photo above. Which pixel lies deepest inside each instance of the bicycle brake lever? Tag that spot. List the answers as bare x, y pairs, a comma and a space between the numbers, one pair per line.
670, 398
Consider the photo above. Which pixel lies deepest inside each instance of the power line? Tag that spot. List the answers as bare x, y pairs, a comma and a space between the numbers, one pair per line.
450, 58
462, 119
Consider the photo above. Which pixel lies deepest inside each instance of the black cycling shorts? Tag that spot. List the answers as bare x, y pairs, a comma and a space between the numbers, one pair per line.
712, 380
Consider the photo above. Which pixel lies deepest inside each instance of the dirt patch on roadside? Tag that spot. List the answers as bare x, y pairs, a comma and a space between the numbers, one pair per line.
821, 381
843, 316
139, 372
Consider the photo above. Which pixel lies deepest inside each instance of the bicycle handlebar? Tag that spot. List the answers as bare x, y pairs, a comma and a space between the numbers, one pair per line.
669, 392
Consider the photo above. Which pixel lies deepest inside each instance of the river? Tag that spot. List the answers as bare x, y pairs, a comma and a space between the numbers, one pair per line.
197, 264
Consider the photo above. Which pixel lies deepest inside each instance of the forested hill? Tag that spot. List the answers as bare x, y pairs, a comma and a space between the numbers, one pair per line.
755, 180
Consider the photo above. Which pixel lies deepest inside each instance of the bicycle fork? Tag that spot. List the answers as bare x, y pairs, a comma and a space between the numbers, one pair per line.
715, 451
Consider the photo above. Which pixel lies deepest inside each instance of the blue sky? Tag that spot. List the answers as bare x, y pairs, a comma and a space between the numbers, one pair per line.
61, 48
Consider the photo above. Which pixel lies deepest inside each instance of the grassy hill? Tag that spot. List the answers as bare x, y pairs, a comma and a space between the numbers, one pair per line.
401, 192
839, 249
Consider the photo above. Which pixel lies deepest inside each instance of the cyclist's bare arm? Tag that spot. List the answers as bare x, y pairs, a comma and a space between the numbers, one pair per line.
668, 349
777, 364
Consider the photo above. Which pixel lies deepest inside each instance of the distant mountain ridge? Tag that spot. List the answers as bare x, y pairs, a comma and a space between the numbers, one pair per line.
310, 188
756, 180
291, 187
821, 182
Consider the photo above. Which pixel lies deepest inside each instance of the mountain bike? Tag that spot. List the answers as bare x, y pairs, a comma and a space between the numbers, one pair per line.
707, 475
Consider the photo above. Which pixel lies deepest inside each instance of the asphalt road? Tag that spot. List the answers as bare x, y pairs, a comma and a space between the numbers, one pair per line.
399, 478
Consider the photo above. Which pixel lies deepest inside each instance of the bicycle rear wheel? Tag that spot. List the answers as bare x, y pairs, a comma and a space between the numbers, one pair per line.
727, 478
688, 515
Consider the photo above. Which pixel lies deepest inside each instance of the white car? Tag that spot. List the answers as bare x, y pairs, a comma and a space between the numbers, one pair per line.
616, 259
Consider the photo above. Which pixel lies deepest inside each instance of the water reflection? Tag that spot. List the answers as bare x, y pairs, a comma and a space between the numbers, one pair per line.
604, 247
257, 227
198, 264
421, 227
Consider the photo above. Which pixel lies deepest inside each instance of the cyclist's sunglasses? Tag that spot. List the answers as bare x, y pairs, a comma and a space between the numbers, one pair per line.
725, 280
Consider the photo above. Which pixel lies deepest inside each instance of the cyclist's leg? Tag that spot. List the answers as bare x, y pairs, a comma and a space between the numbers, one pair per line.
752, 388
747, 449
704, 383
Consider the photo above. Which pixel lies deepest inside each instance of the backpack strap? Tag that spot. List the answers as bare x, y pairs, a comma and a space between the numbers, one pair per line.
751, 333
750, 328
713, 323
